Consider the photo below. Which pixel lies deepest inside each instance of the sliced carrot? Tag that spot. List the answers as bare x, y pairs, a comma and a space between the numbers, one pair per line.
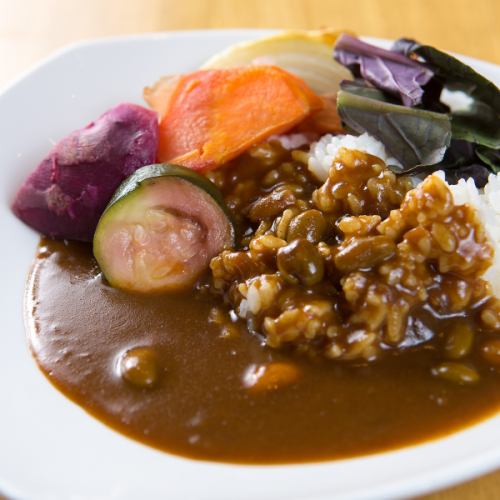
209, 117
325, 120
160, 94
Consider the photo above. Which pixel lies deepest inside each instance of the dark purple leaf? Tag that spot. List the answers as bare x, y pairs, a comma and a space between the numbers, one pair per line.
477, 171
458, 154
389, 71
404, 46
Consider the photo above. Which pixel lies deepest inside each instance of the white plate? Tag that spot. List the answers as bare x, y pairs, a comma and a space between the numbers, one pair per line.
49, 447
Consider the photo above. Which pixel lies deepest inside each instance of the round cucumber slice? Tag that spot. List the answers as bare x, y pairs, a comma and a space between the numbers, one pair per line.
161, 229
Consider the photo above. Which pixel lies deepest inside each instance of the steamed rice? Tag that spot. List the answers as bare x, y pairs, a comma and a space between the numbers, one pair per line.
323, 153
487, 203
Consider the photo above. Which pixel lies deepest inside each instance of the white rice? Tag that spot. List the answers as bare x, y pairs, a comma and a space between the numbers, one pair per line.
487, 203
323, 152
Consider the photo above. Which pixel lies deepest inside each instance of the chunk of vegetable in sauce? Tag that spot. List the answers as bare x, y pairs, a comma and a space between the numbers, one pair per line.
310, 225
161, 229
491, 351
300, 262
459, 341
270, 377
457, 373
139, 367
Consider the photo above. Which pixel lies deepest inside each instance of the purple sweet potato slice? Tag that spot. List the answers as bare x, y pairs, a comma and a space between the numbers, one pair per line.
66, 194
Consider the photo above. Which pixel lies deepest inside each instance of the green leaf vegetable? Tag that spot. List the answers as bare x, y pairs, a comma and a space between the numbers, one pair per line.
415, 137
490, 157
426, 135
480, 122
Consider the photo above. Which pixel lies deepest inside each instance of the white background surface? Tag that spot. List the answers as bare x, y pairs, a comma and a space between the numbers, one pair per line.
49, 447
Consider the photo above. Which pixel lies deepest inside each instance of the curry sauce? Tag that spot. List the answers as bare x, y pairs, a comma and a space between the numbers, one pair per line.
197, 402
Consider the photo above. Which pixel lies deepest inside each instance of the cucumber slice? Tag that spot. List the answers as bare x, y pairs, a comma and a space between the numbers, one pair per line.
161, 229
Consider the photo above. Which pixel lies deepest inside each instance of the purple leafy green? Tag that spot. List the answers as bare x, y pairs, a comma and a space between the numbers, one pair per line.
462, 161
425, 135
386, 70
477, 171
459, 154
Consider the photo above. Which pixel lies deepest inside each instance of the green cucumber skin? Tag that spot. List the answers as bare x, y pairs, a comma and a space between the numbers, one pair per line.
134, 181
133, 185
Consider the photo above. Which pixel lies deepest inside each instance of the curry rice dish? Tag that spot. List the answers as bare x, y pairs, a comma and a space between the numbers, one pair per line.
282, 293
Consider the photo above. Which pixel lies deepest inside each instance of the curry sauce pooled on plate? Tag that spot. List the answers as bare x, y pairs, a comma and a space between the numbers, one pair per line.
273, 290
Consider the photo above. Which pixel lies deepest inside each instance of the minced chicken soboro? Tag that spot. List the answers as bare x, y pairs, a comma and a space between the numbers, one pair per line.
351, 318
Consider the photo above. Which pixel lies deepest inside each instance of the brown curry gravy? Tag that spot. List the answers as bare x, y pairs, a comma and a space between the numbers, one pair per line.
79, 326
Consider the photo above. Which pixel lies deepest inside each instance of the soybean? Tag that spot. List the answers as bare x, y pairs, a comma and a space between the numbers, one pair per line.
270, 377
309, 225
139, 367
459, 341
490, 351
457, 373
300, 262
364, 252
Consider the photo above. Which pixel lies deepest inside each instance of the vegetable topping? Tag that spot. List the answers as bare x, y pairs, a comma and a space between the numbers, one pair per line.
413, 136
209, 117
161, 229
442, 98
386, 70
68, 191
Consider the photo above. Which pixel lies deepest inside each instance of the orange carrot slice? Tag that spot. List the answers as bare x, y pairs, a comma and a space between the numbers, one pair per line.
208, 117
324, 121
